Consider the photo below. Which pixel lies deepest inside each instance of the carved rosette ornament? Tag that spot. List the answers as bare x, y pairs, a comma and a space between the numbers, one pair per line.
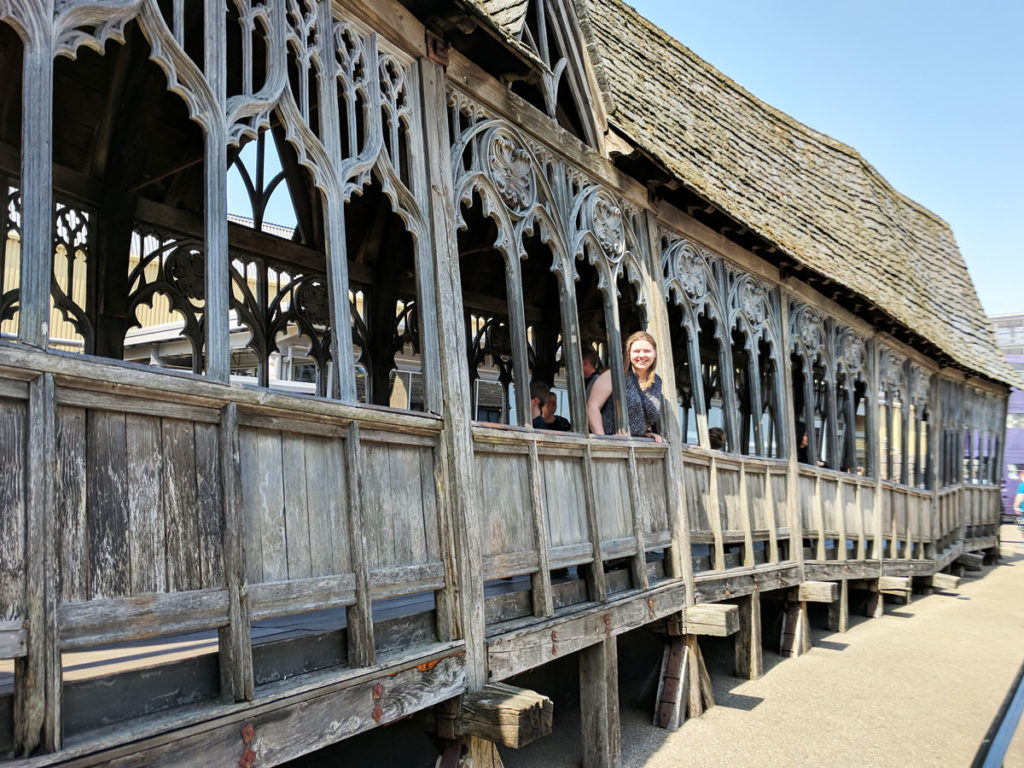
890, 372
606, 218
851, 353
806, 329
918, 386
186, 268
313, 303
510, 169
754, 304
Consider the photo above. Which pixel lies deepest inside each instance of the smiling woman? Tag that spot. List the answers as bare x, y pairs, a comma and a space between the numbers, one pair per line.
642, 394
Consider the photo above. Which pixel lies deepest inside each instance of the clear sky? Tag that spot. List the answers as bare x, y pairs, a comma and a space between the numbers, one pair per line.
930, 92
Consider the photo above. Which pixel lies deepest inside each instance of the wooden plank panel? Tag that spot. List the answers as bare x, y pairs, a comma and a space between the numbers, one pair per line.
71, 505
829, 512
779, 495
428, 491
504, 498
652, 483
851, 514
564, 500
296, 505
612, 494
327, 497
107, 505
756, 500
808, 512
269, 490
180, 498
407, 505
697, 483
145, 510
12, 508
378, 505
210, 506
729, 500
251, 503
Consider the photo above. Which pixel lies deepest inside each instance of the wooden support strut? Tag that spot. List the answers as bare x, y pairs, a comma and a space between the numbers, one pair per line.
714, 619
506, 715
943, 581
796, 630
684, 685
972, 561
818, 592
749, 656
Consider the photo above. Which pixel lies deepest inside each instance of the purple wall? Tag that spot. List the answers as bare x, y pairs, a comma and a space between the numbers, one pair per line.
1014, 442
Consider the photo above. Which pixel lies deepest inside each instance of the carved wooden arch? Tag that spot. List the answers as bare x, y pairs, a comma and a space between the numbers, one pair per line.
892, 377
809, 337
753, 308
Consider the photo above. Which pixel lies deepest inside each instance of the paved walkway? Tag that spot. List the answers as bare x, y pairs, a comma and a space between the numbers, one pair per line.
919, 687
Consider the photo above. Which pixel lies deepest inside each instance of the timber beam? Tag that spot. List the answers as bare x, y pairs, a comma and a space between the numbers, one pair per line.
795, 639
897, 586
818, 592
283, 729
506, 715
684, 685
524, 649
972, 561
711, 619
943, 581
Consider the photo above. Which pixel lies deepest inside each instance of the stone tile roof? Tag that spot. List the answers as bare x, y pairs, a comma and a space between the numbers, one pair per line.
813, 197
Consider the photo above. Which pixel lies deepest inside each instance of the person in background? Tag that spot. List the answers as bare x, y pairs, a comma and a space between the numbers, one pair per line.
716, 438
539, 392
548, 419
642, 395
591, 368
1019, 498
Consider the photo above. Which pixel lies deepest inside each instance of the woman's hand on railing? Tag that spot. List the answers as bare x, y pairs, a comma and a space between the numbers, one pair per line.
657, 438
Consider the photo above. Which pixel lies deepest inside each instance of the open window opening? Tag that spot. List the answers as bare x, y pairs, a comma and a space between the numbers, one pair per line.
542, 299
11, 58
591, 316
488, 335
711, 369
129, 255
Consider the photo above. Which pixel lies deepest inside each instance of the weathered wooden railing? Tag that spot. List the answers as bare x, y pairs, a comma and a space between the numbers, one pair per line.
140, 507
164, 505
737, 510
549, 501
837, 514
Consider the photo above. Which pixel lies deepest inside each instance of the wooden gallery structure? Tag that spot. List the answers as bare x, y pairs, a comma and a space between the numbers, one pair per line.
334, 530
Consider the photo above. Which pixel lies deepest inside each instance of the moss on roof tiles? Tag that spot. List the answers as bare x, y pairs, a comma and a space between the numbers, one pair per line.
811, 195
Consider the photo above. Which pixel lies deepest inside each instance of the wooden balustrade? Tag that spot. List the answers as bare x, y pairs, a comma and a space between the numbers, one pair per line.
184, 506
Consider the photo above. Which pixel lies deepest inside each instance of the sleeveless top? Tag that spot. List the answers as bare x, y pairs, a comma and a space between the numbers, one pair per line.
643, 406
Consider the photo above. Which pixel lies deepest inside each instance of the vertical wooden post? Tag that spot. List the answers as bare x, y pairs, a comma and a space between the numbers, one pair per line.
839, 611
615, 352
466, 562
788, 416
599, 705
36, 177
876, 446
638, 502
217, 355
361, 652
595, 574
572, 349
754, 375
235, 644
749, 656
796, 628
543, 601
680, 562
37, 675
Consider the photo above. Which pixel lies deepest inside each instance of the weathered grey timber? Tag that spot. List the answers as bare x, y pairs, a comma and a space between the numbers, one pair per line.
281, 484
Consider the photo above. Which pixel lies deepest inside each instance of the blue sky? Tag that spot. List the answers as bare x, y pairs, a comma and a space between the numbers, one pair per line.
930, 93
